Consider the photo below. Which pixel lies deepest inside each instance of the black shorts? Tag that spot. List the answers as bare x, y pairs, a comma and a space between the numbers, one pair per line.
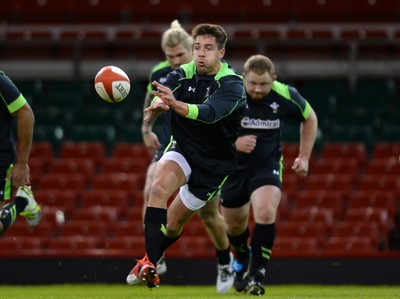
201, 183
6, 189
238, 188
161, 150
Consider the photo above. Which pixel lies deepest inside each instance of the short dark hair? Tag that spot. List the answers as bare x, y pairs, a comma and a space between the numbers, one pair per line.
259, 64
216, 31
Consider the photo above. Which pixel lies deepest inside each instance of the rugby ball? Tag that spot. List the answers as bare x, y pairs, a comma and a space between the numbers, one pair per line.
112, 84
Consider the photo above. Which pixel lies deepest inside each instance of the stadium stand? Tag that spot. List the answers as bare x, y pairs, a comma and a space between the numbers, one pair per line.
88, 162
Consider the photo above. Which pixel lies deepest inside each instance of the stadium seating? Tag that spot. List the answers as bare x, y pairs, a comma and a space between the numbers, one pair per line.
333, 200
92, 150
80, 171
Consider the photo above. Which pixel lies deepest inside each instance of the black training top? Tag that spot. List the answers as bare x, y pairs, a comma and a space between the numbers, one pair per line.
207, 135
11, 100
265, 118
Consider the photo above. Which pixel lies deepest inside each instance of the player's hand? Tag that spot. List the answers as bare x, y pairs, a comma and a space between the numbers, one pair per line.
150, 140
165, 94
246, 143
300, 166
154, 110
19, 175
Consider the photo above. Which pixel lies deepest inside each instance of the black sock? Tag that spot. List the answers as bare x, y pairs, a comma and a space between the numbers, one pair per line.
223, 257
240, 245
20, 203
261, 245
9, 214
155, 221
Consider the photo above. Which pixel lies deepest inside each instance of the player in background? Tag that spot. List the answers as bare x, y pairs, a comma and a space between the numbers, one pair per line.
177, 45
14, 168
258, 181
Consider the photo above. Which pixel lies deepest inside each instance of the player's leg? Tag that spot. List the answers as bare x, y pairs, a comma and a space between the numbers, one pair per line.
168, 177
216, 229
147, 184
265, 201
237, 227
162, 265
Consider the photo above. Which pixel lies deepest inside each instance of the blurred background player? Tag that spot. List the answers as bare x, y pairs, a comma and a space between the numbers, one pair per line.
177, 45
14, 168
258, 180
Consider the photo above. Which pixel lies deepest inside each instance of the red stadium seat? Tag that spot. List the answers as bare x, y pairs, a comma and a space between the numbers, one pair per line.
99, 213
76, 182
92, 150
350, 246
21, 229
370, 215
85, 228
108, 197
379, 182
127, 165
374, 198
128, 228
192, 247
296, 246
127, 243
132, 150
386, 150
345, 150
42, 150
357, 229
383, 166
313, 214
67, 166
331, 182
349, 166
56, 198
37, 167
21, 244
73, 242
290, 181
303, 229
129, 183
334, 200
56, 215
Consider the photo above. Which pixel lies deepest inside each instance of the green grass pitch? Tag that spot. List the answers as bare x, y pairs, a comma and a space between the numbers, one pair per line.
120, 291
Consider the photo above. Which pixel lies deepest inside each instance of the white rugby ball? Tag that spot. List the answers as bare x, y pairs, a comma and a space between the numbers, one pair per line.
112, 84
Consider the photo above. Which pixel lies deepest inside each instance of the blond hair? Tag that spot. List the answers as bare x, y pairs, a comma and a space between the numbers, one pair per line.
176, 35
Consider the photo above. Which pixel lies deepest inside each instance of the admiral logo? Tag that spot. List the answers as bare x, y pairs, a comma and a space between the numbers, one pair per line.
250, 123
275, 172
274, 107
162, 80
191, 89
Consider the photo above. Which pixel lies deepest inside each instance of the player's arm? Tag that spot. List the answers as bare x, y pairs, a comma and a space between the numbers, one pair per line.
308, 135
224, 101
150, 139
25, 124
